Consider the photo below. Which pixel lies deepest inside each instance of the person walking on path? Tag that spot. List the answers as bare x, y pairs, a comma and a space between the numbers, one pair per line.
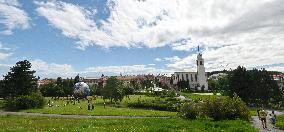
263, 114
272, 117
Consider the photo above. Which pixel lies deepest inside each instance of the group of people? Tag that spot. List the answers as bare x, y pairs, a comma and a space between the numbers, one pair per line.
262, 114
73, 100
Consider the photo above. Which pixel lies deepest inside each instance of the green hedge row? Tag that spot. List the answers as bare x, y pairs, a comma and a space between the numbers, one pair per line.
35, 100
170, 104
216, 108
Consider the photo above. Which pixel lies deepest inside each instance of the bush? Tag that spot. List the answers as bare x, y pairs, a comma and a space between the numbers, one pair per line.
225, 108
168, 93
157, 104
35, 100
189, 110
216, 108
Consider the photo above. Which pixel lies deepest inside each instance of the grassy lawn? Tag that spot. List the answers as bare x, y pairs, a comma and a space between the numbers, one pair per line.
29, 123
123, 110
280, 122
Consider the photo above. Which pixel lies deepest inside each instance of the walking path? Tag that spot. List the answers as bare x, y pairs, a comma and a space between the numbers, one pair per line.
71, 116
270, 128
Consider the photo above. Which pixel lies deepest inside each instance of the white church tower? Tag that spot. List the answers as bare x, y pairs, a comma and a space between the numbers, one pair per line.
201, 76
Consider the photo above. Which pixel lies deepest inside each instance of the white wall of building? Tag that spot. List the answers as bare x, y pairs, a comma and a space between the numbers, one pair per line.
195, 79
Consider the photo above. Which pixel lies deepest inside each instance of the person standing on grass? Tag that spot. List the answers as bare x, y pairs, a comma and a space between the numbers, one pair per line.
263, 114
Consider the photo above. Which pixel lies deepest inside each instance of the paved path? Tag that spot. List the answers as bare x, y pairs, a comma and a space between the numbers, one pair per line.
71, 116
270, 128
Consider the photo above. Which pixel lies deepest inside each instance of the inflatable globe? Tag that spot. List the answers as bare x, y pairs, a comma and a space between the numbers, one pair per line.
81, 90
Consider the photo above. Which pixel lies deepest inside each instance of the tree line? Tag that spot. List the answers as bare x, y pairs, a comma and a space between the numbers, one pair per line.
255, 87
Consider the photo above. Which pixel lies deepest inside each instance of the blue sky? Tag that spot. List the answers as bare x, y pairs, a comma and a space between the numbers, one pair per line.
91, 37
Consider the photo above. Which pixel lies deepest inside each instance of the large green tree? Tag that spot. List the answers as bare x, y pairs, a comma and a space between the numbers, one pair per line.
253, 86
20, 80
58, 88
77, 79
113, 90
48, 90
1, 89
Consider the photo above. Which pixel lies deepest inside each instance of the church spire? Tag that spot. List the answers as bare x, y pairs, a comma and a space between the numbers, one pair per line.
198, 49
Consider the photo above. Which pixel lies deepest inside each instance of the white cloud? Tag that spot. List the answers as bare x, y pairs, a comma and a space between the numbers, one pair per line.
151, 23
258, 52
231, 33
12, 17
4, 52
276, 68
126, 70
3, 70
4, 55
53, 70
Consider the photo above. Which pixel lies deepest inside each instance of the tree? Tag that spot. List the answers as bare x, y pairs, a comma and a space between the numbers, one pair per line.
99, 88
239, 82
48, 90
1, 89
128, 90
68, 86
20, 80
93, 89
147, 83
77, 79
59, 81
253, 86
212, 85
135, 85
113, 90
183, 84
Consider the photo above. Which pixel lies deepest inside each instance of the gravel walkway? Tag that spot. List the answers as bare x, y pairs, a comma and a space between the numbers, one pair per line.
270, 128
71, 116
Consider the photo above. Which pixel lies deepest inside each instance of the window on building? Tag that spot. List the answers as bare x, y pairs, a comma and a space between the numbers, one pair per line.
196, 77
182, 78
186, 75
191, 77
201, 63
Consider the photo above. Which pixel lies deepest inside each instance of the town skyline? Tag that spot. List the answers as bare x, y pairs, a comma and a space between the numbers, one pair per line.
90, 38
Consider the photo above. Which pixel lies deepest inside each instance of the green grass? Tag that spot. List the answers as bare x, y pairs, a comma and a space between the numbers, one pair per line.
123, 110
30, 123
253, 111
280, 122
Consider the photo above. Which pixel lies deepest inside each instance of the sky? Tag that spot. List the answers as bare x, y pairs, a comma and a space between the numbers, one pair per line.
129, 37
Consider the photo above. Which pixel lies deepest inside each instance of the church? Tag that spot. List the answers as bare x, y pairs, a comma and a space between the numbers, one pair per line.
197, 80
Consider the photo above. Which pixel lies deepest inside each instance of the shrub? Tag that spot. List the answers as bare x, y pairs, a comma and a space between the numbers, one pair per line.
157, 104
225, 108
216, 108
168, 93
172, 99
35, 100
189, 110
